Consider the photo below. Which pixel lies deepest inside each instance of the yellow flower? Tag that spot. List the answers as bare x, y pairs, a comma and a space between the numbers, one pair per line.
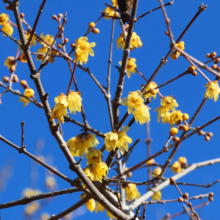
176, 54
175, 117
42, 50
131, 66
33, 41
183, 161
115, 3
101, 169
3, 18
176, 167
8, 29
90, 204
141, 113
135, 41
119, 139
153, 93
10, 61
173, 131
60, 108
47, 38
51, 182
22, 58
157, 171
93, 156
44, 216
212, 90
112, 217
79, 145
157, 196
31, 208
99, 207
75, 102
133, 100
169, 103
132, 192
83, 50
28, 192
51, 58
29, 93
109, 11
150, 162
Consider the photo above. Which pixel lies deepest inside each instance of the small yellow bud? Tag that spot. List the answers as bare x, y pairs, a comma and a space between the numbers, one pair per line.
208, 55
66, 40
183, 161
186, 195
185, 116
214, 66
150, 162
73, 45
174, 56
175, 139
91, 25
173, 131
217, 60
191, 68
5, 79
200, 133
180, 199
183, 127
24, 84
194, 73
213, 54
95, 31
15, 78
218, 69
210, 134
12, 69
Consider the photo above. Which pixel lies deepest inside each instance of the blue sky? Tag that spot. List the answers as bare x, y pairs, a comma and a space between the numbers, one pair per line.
201, 38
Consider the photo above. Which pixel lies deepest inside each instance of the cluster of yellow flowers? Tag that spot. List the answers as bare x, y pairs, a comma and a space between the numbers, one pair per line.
178, 165
135, 101
73, 101
29, 93
176, 53
135, 41
97, 169
131, 66
11, 63
153, 92
6, 26
83, 50
110, 11
118, 139
212, 90
43, 50
131, 191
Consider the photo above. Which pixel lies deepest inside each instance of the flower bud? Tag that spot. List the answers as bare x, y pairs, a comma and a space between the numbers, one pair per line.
213, 54
210, 134
218, 69
95, 31
191, 68
66, 40
73, 45
59, 45
12, 69
211, 194
60, 15
15, 78
8, 7
217, 60
124, 185
208, 55
194, 73
183, 161
186, 195
175, 139
185, 116
91, 25
22, 15
173, 131
214, 66
200, 133
207, 138
211, 199
183, 127
180, 199
24, 84
172, 181
5, 79
54, 17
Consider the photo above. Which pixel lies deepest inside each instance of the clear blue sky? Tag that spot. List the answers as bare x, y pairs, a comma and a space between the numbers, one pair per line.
202, 38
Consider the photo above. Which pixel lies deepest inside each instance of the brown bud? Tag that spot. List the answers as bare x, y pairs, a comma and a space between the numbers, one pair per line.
0, 101
15, 78
211, 199
73, 45
183, 128
217, 60
12, 69
200, 197
191, 68
194, 73
211, 194
172, 181
180, 199
167, 32
213, 54
208, 55
129, 175
175, 139
8, 7
59, 35
24, 84
54, 17
218, 69
214, 66
95, 30
178, 122
168, 20
60, 15
207, 138
200, 132
22, 15
124, 185
117, 14
5, 79
66, 40
210, 134
60, 27
186, 195
59, 45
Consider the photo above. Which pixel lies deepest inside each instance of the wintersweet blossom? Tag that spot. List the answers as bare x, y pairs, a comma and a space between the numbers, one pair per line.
90, 204
212, 90
175, 117
75, 102
51, 182
111, 217
29, 93
183, 161
33, 40
31, 208
47, 38
153, 92
8, 29
3, 18
60, 108
93, 156
28, 192
83, 50
131, 66
109, 11
141, 113
150, 162
120, 41
176, 53
156, 172
80, 144
133, 100
118, 139
99, 207
176, 167
42, 50
131, 192
23, 58
115, 3
157, 196
10, 61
